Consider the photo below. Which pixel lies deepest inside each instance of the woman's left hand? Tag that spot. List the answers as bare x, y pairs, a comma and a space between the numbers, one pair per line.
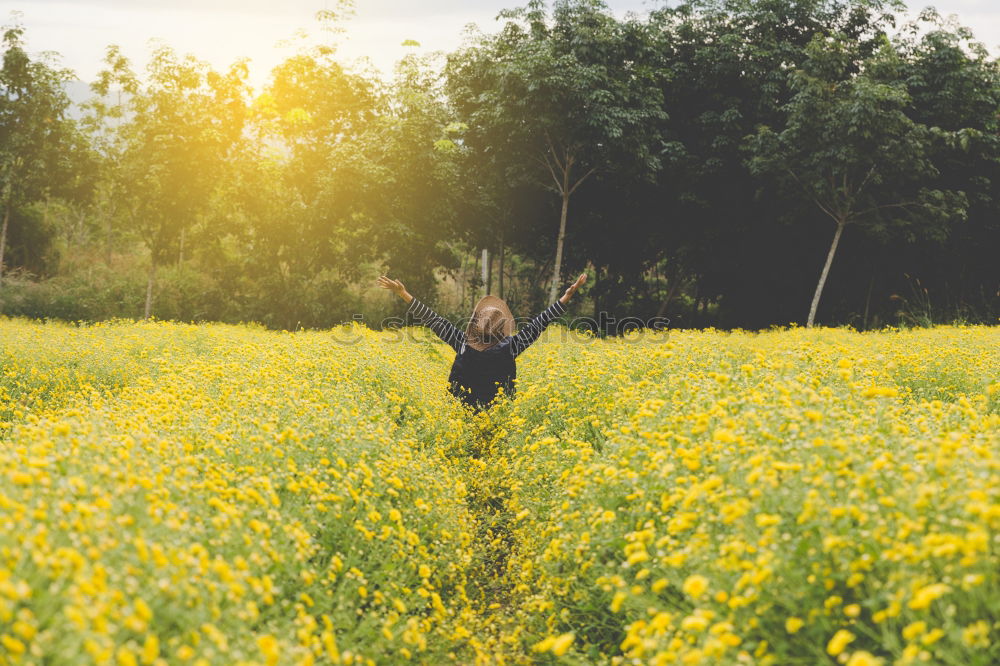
572, 289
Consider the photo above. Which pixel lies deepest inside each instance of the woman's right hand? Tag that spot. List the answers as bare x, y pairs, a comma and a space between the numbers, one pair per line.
395, 286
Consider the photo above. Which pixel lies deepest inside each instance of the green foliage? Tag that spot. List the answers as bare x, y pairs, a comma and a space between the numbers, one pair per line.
101, 292
178, 128
551, 100
35, 134
848, 146
687, 156
41, 150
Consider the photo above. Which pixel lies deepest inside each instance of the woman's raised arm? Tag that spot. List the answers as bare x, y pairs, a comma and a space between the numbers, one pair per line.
530, 331
424, 315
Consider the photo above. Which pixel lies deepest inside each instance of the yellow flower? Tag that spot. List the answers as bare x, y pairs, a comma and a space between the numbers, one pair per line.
695, 586
767, 519
230, 469
977, 634
268, 645
544, 645
932, 636
124, 657
13, 645
561, 644
914, 630
839, 641
926, 595
558, 645
694, 623
143, 610
150, 649
862, 658
24, 630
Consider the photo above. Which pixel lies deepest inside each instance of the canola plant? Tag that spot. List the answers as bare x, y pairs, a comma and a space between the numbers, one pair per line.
181, 494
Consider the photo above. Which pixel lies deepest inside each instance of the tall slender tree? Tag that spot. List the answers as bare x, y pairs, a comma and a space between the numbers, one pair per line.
177, 127
559, 96
849, 148
308, 121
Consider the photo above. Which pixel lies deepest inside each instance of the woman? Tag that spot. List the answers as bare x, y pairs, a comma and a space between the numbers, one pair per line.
485, 353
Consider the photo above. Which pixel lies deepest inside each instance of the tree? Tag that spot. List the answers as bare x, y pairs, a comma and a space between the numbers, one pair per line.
177, 129
414, 147
558, 99
307, 125
954, 84
104, 114
849, 148
726, 66
40, 147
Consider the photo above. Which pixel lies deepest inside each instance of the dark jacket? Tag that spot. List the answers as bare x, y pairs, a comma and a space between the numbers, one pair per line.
476, 375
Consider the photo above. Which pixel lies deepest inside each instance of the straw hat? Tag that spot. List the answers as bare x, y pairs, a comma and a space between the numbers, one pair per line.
490, 323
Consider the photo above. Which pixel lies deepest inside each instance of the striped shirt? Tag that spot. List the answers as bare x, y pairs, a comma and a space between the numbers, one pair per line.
456, 338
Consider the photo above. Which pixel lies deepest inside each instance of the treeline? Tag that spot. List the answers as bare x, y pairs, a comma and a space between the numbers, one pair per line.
722, 162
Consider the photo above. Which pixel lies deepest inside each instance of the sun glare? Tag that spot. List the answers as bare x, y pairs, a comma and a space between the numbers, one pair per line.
224, 32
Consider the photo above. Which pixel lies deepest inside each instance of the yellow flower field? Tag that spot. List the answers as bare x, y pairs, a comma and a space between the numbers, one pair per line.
179, 494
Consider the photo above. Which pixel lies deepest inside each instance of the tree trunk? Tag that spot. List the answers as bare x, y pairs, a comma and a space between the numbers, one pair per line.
593, 293
108, 210
485, 268
694, 307
488, 256
180, 253
868, 300
500, 267
3, 237
557, 269
826, 270
108, 232
45, 221
670, 296
149, 289
673, 282
541, 272
81, 218
461, 297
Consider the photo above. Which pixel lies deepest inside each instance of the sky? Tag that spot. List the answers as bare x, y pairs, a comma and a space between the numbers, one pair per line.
221, 31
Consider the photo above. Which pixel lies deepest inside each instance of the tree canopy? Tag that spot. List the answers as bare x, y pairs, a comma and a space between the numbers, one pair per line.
736, 163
